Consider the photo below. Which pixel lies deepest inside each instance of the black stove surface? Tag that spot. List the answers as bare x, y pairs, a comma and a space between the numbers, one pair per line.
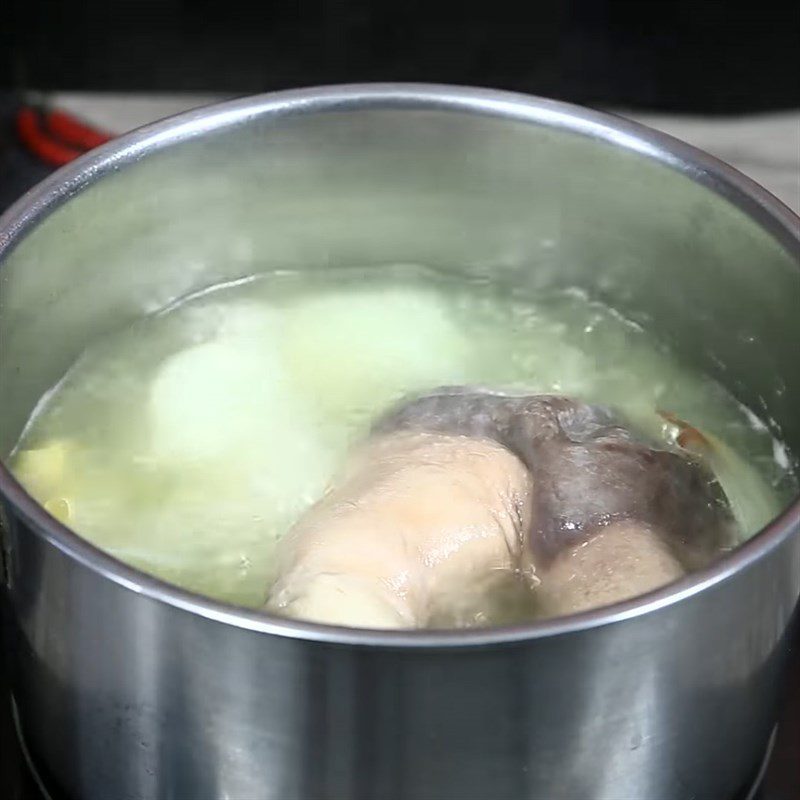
19, 171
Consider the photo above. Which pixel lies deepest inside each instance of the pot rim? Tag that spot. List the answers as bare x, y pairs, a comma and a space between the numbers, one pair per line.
752, 199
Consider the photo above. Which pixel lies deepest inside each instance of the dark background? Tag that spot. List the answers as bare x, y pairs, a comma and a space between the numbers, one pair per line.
683, 55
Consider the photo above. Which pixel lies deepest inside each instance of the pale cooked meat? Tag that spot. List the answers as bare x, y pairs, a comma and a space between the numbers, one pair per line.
419, 526
620, 561
589, 469
461, 493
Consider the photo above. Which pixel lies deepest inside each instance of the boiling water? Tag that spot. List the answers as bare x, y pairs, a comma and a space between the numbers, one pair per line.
188, 443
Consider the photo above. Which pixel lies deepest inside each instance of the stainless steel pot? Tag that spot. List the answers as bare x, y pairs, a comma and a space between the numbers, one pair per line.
130, 688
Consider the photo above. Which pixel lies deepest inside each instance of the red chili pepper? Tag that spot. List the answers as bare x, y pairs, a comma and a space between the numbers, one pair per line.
56, 137
29, 130
689, 437
72, 131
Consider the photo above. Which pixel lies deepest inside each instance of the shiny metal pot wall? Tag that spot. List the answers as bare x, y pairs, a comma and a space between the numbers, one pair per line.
128, 688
